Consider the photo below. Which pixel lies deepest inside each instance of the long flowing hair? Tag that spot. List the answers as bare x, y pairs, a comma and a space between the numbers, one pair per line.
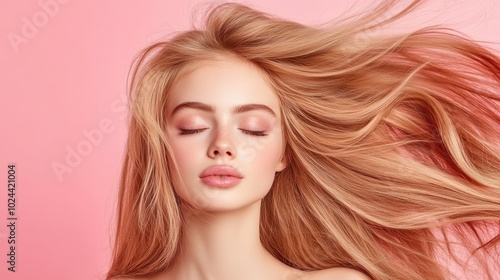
393, 145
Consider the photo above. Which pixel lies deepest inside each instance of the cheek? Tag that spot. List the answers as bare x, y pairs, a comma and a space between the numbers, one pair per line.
186, 155
186, 150
264, 167
263, 153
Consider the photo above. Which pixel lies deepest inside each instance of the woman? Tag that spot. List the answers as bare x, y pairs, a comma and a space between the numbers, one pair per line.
261, 148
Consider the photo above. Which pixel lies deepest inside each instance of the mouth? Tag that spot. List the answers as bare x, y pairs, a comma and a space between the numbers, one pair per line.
220, 181
219, 176
221, 171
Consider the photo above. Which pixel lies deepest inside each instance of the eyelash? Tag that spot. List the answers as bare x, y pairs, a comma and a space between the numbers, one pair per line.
249, 132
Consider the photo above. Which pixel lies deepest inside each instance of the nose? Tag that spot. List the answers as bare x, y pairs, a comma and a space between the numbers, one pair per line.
221, 146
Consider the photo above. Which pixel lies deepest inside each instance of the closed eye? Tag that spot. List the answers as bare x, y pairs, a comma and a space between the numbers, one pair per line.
249, 132
191, 131
254, 133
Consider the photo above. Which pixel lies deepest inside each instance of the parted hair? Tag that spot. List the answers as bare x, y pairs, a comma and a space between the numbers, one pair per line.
392, 144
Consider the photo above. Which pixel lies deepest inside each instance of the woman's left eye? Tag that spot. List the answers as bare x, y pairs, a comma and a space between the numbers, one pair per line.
254, 133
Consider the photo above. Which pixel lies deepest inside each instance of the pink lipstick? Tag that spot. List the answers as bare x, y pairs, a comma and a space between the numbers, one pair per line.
221, 176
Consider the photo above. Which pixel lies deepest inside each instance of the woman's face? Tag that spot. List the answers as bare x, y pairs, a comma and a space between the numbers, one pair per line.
224, 114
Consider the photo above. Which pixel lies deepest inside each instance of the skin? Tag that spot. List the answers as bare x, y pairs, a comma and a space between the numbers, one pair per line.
222, 239
251, 141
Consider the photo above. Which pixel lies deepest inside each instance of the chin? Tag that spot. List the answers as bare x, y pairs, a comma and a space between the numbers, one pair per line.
220, 200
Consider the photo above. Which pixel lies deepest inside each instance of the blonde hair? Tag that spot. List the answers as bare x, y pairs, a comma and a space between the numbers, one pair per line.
392, 145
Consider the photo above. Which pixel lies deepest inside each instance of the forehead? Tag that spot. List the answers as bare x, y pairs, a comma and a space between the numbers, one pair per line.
224, 82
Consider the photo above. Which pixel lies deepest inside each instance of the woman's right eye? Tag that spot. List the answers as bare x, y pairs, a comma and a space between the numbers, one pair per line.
191, 131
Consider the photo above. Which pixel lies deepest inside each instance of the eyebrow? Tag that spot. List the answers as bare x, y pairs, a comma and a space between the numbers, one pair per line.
236, 110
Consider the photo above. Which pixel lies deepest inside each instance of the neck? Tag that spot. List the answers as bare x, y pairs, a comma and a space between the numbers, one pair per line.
226, 245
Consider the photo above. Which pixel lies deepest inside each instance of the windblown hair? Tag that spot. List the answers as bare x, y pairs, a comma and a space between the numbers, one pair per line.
392, 141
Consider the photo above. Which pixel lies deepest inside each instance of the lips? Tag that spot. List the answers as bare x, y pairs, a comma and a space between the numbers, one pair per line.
221, 170
222, 176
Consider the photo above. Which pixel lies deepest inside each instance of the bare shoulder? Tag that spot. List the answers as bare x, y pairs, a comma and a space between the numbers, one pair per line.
340, 273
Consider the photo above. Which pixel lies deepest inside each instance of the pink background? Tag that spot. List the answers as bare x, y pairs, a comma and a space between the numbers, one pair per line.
63, 76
